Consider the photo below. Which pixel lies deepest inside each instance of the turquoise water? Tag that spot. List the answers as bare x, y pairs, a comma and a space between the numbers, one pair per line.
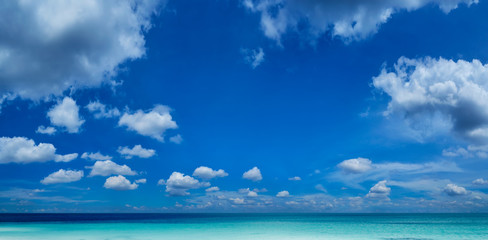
246, 226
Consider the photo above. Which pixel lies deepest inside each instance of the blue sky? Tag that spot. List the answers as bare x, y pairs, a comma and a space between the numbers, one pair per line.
244, 106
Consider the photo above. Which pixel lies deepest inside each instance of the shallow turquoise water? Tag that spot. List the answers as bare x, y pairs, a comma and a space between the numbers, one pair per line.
251, 226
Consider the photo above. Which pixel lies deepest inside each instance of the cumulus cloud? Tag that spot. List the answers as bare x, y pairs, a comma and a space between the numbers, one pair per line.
253, 57
100, 110
142, 180
136, 151
176, 139
66, 158
480, 181
208, 173
355, 165
46, 130
63, 176
455, 190
24, 150
95, 156
152, 123
283, 194
178, 184
438, 96
212, 189
107, 168
379, 191
68, 44
119, 183
65, 115
254, 174
348, 20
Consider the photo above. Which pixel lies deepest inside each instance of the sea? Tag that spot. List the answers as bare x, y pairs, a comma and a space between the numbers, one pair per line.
245, 226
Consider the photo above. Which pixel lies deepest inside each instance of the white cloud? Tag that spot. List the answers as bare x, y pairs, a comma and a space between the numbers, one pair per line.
178, 184
119, 183
95, 156
137, 151
321, 188
66, 158
252, 194
455, 190
151, 123
253, 57
63, 176
283, 194
480, 181
212, 189
176, 139
355, 165
208, 173
296, 178
65, 115
379, 191
438, 97
349, 20
68, 44
253, 174
46, 130
237, 200
456, 152
100, 110
107, 168
23, 150
161, 182
142, 180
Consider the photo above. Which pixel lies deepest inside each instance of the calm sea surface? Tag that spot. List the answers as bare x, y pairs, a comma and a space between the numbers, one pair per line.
245, 226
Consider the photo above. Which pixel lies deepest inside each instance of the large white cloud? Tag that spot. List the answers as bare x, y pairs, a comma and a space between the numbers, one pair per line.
439, 96
347, 19
119, 183
151, 123
178, 184
63, 176
136, 151
24, 150
253, 174
356, 165
208, 173
65, 114
107, 168
47, 47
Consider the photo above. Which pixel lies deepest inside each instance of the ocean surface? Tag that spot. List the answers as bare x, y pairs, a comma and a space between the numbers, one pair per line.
245, 226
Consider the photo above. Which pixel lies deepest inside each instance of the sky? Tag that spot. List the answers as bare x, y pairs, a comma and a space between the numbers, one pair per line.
244, 106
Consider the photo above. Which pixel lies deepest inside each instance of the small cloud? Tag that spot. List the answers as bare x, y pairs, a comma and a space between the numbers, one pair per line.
480, 181
100, 110
320, 188
119, 183
355, 165
253, 174
65, 115
379, 191
208, 173
107, 168
296, 178
62, 176
142, 180
283, 194
178, 184
253, 57
136, 151
237, 200
95, 156
152, 123
46, 130
212, 189
176, 139
455, 190
252, 194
